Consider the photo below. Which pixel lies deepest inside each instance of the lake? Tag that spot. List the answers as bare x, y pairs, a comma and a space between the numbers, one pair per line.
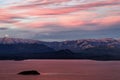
61, 70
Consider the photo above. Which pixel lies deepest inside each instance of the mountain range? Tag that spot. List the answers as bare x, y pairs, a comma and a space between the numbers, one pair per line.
78, 45
14, 45
98, 49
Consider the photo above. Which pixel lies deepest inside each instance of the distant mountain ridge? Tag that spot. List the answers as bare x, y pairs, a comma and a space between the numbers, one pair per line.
78, 45
22, 46
7, 40
73, 45
97, 49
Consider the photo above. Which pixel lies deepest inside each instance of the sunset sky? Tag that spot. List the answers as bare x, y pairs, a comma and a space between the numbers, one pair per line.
51, 20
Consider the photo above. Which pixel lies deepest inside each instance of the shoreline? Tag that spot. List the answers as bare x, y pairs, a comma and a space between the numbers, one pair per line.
57, 60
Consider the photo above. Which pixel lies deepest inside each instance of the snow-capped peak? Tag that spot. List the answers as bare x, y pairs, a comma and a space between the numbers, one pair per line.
7, 40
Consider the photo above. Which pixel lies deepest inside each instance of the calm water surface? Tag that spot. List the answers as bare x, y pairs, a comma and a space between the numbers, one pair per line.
61, 70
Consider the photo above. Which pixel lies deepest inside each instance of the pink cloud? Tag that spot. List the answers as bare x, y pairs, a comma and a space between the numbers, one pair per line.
76, 16
76, 22
4, 14
35, 10
107, 21
31, 25
36, 3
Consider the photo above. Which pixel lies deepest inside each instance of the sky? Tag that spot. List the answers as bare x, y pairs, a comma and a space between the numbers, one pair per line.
58, 20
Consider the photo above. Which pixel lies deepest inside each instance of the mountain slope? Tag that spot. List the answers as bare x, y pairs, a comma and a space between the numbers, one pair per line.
13, 45
7, 40
78, 45
97, 49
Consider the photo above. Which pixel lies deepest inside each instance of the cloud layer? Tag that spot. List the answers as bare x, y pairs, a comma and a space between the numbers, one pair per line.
59, 15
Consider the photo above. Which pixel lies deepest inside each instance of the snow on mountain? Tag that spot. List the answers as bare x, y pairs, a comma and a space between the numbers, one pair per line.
78, 45
16, 45
7, 40
73, 45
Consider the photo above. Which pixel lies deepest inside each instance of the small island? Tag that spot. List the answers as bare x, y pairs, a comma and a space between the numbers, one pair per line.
30, 72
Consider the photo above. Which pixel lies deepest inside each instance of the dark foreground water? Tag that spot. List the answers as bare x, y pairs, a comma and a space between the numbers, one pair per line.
61, 70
